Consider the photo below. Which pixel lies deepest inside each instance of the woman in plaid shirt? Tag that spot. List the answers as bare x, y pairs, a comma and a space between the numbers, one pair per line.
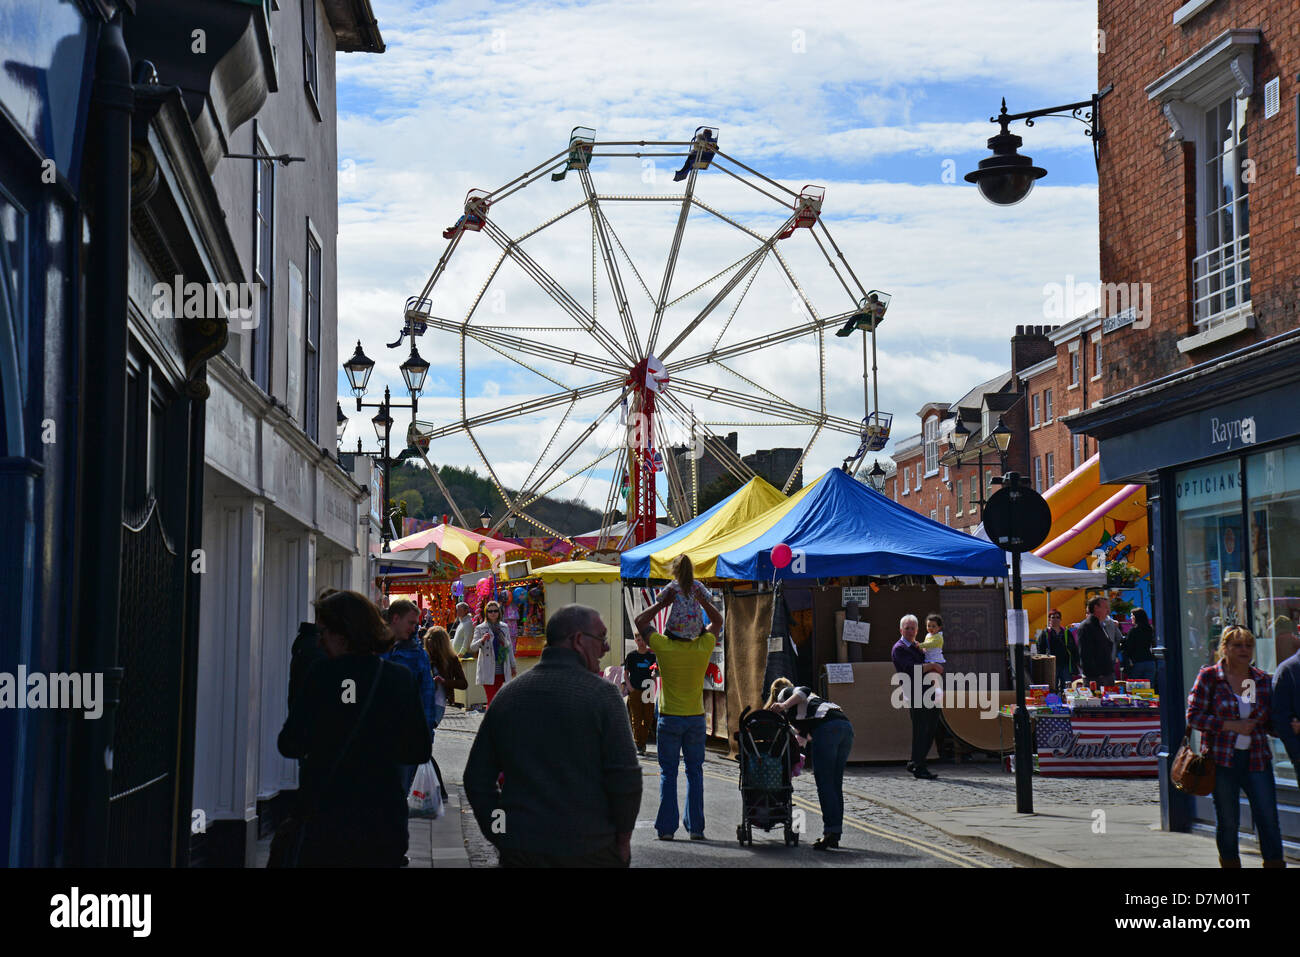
1230, 706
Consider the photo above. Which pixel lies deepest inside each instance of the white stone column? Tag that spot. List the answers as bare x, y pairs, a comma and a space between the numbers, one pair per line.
230, 659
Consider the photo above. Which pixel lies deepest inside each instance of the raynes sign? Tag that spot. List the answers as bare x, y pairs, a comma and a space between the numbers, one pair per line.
1223, 429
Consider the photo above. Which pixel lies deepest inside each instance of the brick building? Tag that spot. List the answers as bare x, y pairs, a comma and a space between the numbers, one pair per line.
1199, 198
934, 480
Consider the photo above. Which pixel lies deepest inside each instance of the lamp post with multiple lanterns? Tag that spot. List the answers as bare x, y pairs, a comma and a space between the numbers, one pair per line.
358, 369
1001, 438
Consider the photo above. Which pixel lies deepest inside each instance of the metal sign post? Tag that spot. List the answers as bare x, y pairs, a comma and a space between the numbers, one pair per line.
1018, 519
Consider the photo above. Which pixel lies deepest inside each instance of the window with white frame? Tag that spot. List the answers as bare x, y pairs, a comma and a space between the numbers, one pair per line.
1047, 406
934, 515
1038, 474
263, 260
947, 514
1096, 356
1037, 421
931, 445
309, 48
1221, 269
945, 473
1049, 461
1074, 368
907, 479
1078, 448
959, 486
974, 490
311, 372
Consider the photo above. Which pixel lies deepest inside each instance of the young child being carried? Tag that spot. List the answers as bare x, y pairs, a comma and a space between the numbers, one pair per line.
688, 600
933, 644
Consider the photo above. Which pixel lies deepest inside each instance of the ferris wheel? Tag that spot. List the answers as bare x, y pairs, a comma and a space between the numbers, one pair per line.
648, 369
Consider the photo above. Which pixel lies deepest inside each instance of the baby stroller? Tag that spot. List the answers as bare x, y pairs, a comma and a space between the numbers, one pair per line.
767, 755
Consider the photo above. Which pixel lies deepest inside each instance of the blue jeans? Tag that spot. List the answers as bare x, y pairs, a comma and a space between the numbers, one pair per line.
1229, 782
1142, 670
831, 743
685, 735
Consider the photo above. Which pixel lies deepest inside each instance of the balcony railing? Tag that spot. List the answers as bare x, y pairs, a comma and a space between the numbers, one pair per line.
1221, 282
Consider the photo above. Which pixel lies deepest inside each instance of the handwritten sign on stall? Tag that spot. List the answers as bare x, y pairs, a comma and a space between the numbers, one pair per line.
839, 674
859, 631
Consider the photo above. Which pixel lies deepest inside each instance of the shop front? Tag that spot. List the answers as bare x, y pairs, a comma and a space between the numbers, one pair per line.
1219, 447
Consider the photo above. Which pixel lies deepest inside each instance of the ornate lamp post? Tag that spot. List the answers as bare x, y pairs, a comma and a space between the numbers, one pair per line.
1006, 177
358, 370
877, 476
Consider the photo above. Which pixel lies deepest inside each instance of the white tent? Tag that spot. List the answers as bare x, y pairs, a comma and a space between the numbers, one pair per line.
1038, 572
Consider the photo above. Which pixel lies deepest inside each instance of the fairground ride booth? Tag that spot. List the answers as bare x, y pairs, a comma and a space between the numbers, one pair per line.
443, 565
857, 557
594, 584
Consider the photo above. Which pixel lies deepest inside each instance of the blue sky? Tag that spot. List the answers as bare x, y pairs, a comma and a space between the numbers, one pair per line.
875, 104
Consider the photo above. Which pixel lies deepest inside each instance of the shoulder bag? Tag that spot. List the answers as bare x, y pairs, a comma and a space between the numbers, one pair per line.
1192, 773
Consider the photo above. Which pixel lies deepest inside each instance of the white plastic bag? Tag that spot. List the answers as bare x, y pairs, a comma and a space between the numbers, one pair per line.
425, 799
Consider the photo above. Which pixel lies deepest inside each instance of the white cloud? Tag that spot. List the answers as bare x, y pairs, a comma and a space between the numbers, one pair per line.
472, 97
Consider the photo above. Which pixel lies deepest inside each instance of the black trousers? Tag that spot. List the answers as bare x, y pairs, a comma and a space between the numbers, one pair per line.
925, 722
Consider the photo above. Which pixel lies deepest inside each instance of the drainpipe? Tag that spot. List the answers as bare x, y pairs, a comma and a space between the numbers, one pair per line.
101, 465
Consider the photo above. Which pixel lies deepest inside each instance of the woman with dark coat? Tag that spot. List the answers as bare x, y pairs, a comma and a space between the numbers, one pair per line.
1139, 661
355, 722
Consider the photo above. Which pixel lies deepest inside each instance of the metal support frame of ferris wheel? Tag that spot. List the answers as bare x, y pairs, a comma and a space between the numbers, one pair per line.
503, 340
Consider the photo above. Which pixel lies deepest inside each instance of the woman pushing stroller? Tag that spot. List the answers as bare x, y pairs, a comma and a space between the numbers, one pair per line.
832, 740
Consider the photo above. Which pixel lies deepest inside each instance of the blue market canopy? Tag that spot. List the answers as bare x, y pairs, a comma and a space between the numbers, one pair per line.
843, 527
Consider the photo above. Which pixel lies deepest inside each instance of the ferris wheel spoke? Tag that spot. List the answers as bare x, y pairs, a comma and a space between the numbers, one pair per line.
442, 487
785, 489
542, 167
568, 478
552, 221
727, 219
753, 260
717, 448
839, 253
564, 418
527, 408
775, 199
423, 299
611, 266
671, 265
607, 516
618, 242
739, 300
573, 447
732, 159
491, 337
557, 292
754, 345
776, 406
711, 280
831, 262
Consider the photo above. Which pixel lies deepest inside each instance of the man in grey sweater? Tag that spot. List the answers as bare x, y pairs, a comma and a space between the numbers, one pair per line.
560, 734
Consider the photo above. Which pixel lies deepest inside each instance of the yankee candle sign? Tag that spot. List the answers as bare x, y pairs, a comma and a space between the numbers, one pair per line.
1099, 741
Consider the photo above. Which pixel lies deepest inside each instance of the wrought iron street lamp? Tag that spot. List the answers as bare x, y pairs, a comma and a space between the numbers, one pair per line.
1007, 177
877, 476
342, 421
485, 519
358, 369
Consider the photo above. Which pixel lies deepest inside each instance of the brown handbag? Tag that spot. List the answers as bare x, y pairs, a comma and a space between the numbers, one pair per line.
1192, 773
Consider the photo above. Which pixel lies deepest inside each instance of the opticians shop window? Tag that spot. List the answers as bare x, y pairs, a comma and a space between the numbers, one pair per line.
1240, 566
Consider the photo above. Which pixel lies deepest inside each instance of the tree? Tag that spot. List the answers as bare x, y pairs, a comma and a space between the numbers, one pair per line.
411, 503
